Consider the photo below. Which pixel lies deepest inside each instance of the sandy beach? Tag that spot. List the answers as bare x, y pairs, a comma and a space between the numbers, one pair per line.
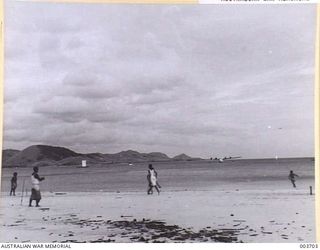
222, 216
241, 201
213, 103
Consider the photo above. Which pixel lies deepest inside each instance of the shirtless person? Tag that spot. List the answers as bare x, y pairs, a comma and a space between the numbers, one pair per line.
35, 191
291, 177
14, 184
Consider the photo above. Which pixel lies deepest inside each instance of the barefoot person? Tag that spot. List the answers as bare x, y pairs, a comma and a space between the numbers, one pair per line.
14, 184
152, 180
292, 178
35, 191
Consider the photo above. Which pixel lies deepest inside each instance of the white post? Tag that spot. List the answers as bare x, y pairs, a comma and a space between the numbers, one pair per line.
84, 163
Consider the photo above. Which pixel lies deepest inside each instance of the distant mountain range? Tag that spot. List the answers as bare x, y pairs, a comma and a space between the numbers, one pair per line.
44, 155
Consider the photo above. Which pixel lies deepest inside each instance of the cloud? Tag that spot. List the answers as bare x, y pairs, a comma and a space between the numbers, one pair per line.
193, 79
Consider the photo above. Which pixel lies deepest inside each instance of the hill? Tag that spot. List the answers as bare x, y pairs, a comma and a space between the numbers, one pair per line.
39, 153
8, 153
44, 155
134, 156
182, 157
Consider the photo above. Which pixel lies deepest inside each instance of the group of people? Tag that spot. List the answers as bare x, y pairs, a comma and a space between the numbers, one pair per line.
35, 182
152, 178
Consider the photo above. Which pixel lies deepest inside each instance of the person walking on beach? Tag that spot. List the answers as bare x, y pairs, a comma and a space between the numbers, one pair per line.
152, 180
14, 184
35, 191
292, 178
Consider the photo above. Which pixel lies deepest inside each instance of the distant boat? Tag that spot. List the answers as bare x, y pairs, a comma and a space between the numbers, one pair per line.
276, 157
83, 164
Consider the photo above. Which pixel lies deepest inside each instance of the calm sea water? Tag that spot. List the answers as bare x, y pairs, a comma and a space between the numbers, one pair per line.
269, 174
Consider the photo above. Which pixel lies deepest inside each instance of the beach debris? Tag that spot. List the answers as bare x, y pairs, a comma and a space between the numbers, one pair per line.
73, 241
43, 209
158, 231
20, 221
101, 241
142, 239
264, 232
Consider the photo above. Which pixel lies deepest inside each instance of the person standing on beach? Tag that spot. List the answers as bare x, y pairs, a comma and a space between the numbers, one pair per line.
292, 178
152, 180
35, 191
14, 184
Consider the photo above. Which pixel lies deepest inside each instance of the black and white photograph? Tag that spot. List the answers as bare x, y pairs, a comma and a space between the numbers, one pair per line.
158, 123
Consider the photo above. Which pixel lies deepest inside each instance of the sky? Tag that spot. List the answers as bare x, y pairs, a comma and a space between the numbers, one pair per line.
208, 81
